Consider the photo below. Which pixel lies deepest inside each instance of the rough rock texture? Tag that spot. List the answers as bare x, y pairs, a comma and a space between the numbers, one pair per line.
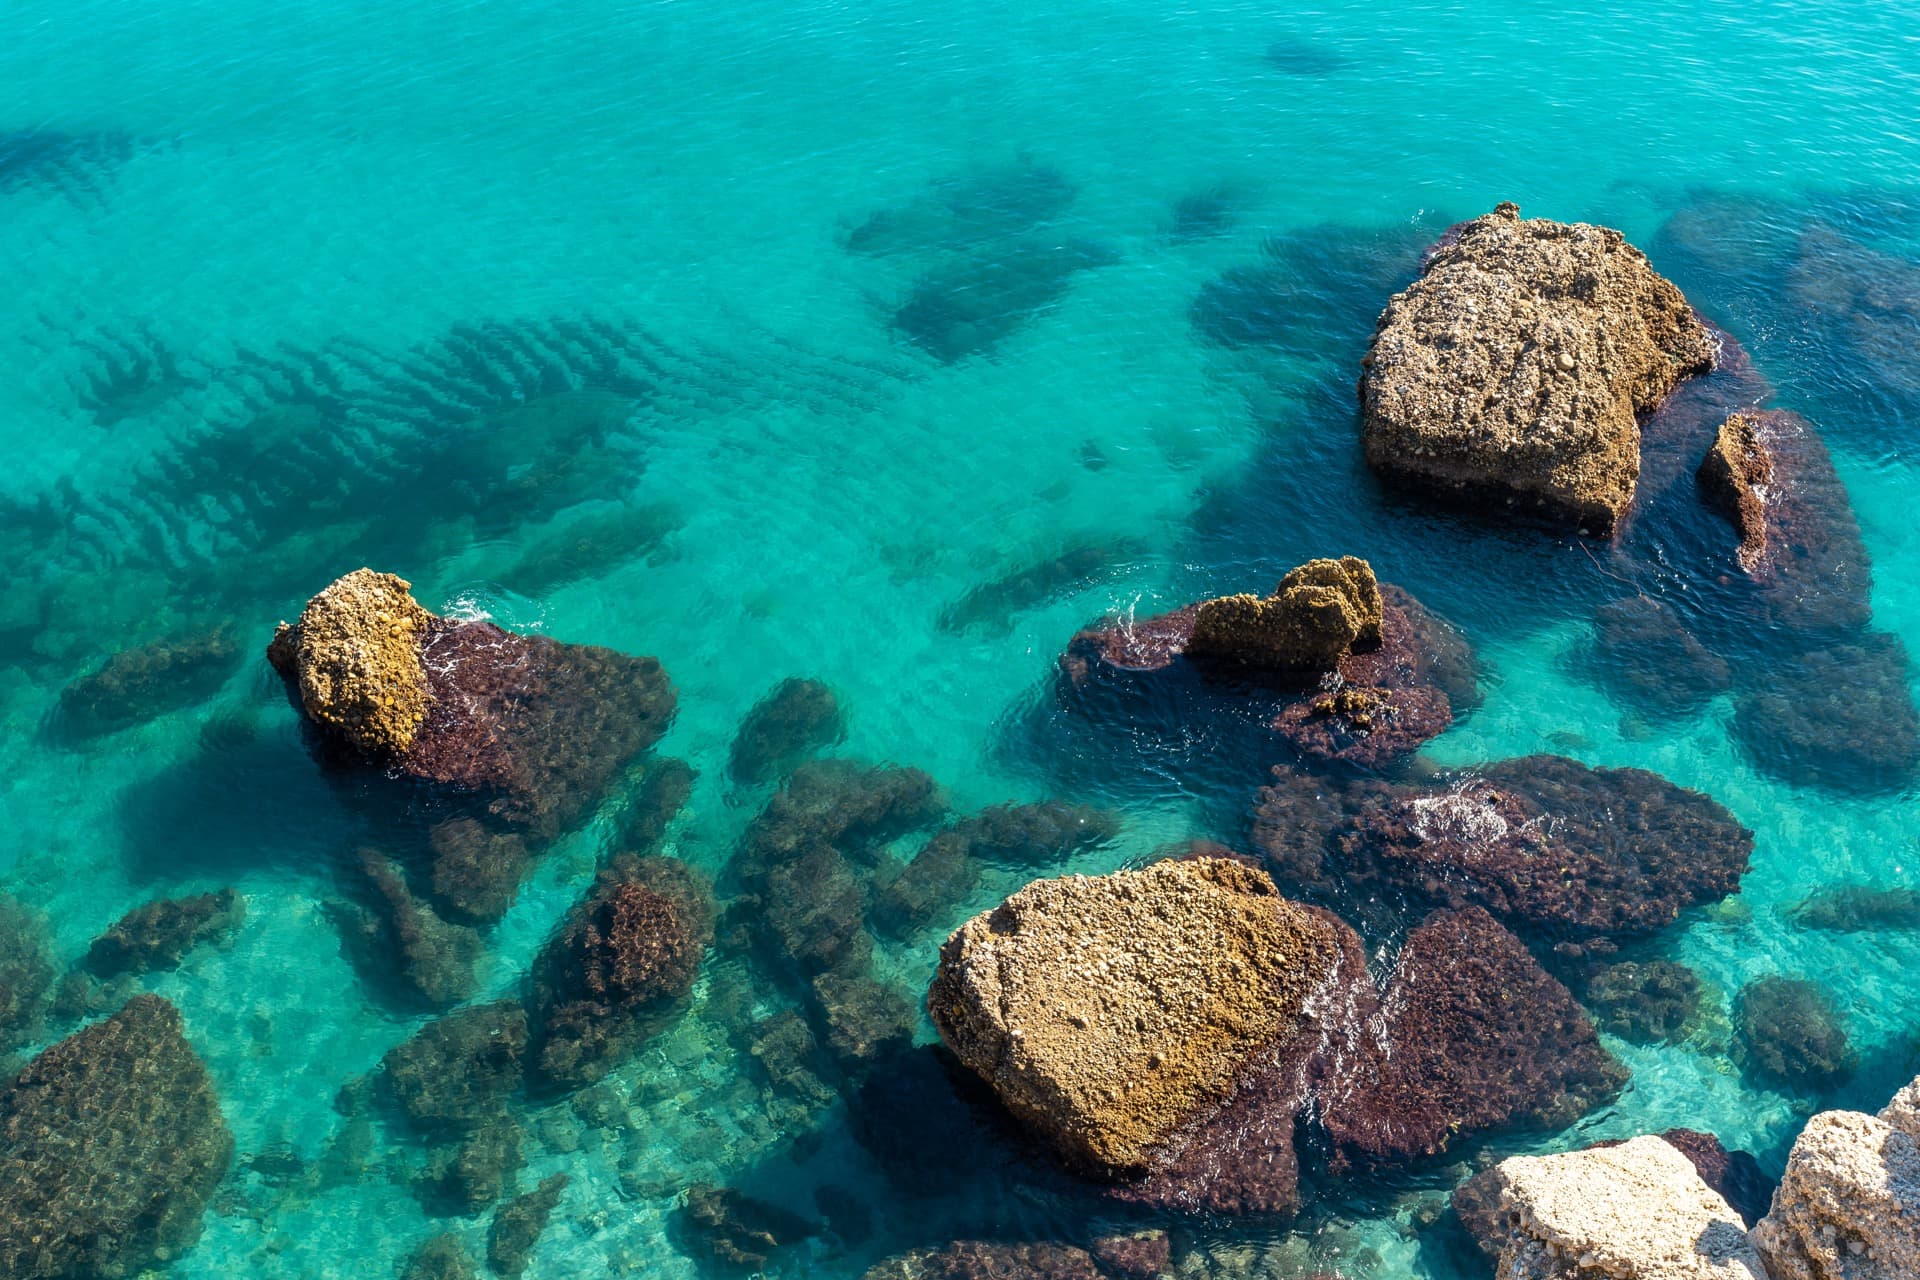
1840, 717
792, 722
26, 972
111, 1143
1791, 1035
724, 1225
1848, 1207
135, 685
1637, 1211
1016, 835
1578, 857
523, 732
991, 1260
441, 1258
622, 961
1319, 611
400, 945
467, 1175
1473, 1035
1514, 369
1734, 1175
1645, 1002
517, 1225
1735, 478
456, 1073
1057, 999
476, 870
159, 934
355, 656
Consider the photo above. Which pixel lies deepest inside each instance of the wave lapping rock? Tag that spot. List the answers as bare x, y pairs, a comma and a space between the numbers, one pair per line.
1515, 368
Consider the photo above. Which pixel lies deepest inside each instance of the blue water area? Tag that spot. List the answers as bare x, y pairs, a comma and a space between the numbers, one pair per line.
884, 345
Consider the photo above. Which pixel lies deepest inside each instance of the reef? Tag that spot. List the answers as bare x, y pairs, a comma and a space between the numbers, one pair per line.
26, 972
1637, 1211
1646, 1002
399, 944
158, 935
724, 1225
863, 1019
655, 800
1579, 858
1473, 1035
517, 1226
111, 1145
1056, 994
1840, 717
1511, 372
797, 719
456, 1073
136, 685
621, 964
1646, 657
1791, 1036
523, 732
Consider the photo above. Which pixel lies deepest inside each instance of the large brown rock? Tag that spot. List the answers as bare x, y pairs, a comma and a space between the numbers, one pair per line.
1319, 611
1112, 1014
1514, 370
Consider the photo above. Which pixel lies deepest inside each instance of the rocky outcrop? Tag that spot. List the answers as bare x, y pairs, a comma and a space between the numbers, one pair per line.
621, 963
1735, 478
457, 1072
111, 1144
1848, 1207
1578, 858
523, 732
1057, 999
1512, 373
1318, 613
158, 935
1637, 1211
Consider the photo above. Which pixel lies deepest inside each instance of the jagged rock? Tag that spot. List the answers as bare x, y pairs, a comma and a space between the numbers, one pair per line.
1734, 1175
1791, 1035
159, 934
1055, 999
520, 731
1512, 372
1319, 612
620, 965
1473, 1035
456, 1073
111, 1144
517, 1225
796, 719
1637, 1211
1848, 1207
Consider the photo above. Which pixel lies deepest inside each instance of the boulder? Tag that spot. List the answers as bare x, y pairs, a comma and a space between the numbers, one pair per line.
1057, 1000
111, 1145
1318, 613
1513, 371
1637, 1211
158, 935
1791, 1036
517, 1226
796, 719
522, 731
1848, 1207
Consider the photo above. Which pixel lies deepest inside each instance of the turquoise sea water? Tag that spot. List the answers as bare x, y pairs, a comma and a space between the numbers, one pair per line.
199, 199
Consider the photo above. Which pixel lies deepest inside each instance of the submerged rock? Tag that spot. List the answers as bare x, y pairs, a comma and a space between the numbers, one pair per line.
798, 718
991, 1260
1637, 1211
135, 685
1318, 613
1055, 999
1849, 907
970, 307
442, 1257
1018, 835
517, 1225
26, 972
159, 934
467, 1175
1473, 1035
476, 870
521, 731
1576, 856
1645, 654
1512, 371
621, 963
724, 1225
457, 1072
399, 943
111, 1144
1848, 1207
1840, 717
1792, 1036
1647, 1003
991, 606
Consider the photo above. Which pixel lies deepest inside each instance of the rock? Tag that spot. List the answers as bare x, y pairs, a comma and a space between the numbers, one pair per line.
476, 870
621, 964
1770, 474
1512, 371
468, 1175
1016, 835
1318, 613
26, 972
664, 788
1846, 908
1848, 1207
798, 718
1473, 1035
111, 1145
1647, 1003
1840, 717
1647, 657
1577, 857
442, 1257
990, 1260
1637, 1211
457, 1072
522, 732
1055, 999
135, 685
721, 1224
863, 1019
1733, 1174
517, 1225
159, 934
399, 943
1140, 1256
1792, 1036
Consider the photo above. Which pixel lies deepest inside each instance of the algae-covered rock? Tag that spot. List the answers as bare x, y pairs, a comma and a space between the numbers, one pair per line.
158, 935
517, 1225
1512, 372
111, 1144
1058, 1000
1792, 1036
1318, 613
457, 1072
442, 1257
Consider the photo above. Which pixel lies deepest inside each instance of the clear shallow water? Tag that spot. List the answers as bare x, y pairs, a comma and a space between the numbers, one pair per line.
240, 185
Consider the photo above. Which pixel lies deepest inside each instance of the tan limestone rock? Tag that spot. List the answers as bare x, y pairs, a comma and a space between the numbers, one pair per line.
355, 655
1848, 1207
1319, 612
